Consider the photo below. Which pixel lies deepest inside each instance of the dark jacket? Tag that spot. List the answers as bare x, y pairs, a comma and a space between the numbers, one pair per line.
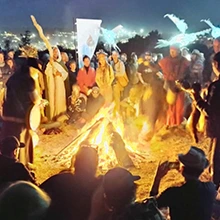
71, 195
11, 170
211, 107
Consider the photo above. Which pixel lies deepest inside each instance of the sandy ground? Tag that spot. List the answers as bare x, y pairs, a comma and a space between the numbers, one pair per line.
164, 146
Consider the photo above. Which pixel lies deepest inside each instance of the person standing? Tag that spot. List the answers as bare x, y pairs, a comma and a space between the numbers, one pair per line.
194, 199
104, 77
65, 60
86, 77
4, 69
64, 57
131, 71
11, 169
152, 100
196, 67
10, 54
21, 95
211, 108
121, 79
56, 74
11, 64
174, 68
72, 73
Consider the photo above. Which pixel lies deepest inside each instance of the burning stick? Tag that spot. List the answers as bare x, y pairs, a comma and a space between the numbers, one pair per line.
78, 136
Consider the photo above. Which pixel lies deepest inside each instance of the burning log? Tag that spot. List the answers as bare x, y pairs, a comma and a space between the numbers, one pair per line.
81, 134
106, 133
118, 145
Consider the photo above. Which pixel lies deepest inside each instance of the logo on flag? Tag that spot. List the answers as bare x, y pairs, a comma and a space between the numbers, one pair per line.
88, 32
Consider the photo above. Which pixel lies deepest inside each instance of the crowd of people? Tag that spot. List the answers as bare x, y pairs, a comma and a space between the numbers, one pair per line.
84, 195
175, 88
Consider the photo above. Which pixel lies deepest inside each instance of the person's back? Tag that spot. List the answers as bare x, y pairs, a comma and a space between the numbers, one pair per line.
212, 108
193, 200
11, 171
23, 201
17, 97
71, 196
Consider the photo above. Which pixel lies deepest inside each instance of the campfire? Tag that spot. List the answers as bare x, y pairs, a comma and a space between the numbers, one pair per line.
113, 140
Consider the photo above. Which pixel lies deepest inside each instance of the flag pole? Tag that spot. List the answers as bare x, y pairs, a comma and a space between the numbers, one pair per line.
75, 35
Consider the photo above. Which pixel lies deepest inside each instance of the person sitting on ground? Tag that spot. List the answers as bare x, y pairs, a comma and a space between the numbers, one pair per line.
10, 169
23, 201
76, 105
194, 199
115, 199
71, 194
95, 102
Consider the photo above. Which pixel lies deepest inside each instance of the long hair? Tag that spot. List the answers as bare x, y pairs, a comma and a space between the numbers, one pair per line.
22, 67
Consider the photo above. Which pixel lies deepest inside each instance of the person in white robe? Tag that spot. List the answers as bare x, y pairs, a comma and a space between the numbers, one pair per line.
56, 74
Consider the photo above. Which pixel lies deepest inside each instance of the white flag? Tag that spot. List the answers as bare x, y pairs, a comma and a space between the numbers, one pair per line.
88, 31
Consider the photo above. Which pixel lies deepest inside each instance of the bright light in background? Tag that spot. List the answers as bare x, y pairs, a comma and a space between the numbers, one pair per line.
64, 41
141, 30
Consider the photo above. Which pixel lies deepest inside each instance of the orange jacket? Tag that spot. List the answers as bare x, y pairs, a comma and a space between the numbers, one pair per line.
85, 79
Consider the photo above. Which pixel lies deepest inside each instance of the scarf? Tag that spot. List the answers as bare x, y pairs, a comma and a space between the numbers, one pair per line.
2, 64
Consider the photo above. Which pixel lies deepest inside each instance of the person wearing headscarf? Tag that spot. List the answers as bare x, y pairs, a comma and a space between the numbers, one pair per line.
56, 74
36, 72
121, 79
104, 77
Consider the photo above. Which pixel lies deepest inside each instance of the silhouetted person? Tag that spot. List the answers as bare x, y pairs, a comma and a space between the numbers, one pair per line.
10, 169
194, 199
211, 108
71, 193
23, 201
115, 199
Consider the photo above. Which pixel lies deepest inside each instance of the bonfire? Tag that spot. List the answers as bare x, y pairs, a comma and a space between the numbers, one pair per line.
106, 132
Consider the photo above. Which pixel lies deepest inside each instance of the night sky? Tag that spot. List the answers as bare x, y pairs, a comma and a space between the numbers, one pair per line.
147, 14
